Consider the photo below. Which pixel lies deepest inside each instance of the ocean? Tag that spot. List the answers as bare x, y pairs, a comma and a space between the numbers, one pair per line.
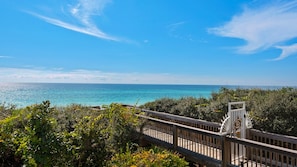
63, 94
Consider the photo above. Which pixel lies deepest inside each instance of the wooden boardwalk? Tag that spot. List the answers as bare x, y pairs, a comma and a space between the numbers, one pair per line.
210, 148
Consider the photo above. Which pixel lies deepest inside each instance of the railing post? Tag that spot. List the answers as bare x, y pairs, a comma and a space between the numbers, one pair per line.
248, 149
226, 152
175, 137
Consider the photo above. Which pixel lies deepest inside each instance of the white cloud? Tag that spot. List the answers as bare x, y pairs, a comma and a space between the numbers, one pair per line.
287, 51
173, 29
93, 31
262, 27
82, 11
174, 26
5, 57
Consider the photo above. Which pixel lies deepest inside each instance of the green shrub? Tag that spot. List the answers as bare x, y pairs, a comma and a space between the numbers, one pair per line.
271, 110
154, 157
99, 134
87, 143
30, 138
6, 110
39, 135
121, 126
276, 112
162, 105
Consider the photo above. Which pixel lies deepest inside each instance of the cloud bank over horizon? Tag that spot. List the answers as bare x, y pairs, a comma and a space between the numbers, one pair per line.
82, 11
264, 27
59, 75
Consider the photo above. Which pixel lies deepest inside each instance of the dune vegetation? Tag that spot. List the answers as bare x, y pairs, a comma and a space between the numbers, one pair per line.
41, 135
271, 110
76, 135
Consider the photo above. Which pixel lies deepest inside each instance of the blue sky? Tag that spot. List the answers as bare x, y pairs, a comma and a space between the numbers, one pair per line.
230, 42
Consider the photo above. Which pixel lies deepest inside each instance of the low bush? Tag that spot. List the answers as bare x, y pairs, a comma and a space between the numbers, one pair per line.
154, 157
40, 135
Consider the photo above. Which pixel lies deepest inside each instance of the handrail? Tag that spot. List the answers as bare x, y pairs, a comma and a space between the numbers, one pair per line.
214, 134
259, 145
181, 118
274, 135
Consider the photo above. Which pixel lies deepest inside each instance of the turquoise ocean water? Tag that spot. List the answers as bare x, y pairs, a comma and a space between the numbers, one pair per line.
23, 94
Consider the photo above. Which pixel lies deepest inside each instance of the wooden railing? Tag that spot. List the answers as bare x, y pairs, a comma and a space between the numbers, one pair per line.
196, 144
289, 142
198, 123
255, 153
207, 146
